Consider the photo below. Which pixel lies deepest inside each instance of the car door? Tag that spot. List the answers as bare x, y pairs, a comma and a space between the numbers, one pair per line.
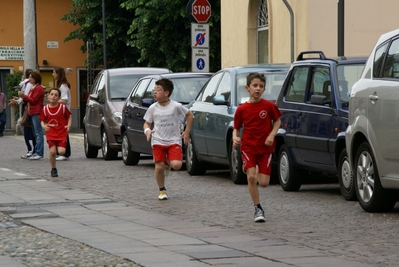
316, 119
96, 110
382, 110
218, 119
200, 109
134, 116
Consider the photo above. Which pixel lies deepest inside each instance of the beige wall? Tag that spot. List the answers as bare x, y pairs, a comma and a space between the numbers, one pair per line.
315, 28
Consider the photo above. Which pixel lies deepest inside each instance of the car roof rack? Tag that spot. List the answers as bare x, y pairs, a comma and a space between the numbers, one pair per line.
321, 55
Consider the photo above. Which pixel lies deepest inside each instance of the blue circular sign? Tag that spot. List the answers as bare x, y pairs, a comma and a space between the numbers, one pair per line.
200, 64
200, 39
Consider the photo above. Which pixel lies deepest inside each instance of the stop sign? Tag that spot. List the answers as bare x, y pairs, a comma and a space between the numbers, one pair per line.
201, 10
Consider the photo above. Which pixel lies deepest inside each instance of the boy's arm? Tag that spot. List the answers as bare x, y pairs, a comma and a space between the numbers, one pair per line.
270, 138
44, 126
68, 126
147, 130
186, 133
236, 137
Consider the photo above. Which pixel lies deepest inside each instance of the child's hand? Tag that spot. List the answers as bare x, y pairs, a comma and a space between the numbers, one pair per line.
186, 137
270, 140
46, 128
67, 128
236, 141
148, 134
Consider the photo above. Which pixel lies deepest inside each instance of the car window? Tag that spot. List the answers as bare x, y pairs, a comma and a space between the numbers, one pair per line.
95, 84
101, 90
378, 60
186, 89
120, 86
138, 91
297, 84
208, 92
224, 87
320, 83
391, 64
348, 74
149, 93
274, 83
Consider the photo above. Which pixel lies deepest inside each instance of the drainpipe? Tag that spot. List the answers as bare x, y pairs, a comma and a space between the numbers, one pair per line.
291, 28
341, 28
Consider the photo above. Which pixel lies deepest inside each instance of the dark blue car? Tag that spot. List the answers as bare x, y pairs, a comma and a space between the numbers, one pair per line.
314, 102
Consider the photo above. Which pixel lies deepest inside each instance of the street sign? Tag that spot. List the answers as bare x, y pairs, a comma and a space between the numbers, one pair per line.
200, 60
201, 10
200, 35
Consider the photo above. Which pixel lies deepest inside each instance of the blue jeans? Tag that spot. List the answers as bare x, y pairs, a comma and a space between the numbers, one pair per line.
3, 120
38, 133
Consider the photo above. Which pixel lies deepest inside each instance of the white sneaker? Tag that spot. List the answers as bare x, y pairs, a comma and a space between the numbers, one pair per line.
59, 157
162, 195
35, 157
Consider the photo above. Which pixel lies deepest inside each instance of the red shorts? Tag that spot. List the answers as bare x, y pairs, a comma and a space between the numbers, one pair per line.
58, 143
167, 153
263, 161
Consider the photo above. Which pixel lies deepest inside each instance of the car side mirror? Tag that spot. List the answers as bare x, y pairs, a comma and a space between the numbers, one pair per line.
220, 100
94, 97
319, 100
146, 102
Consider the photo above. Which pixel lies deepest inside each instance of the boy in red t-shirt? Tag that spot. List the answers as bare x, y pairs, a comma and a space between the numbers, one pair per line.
261, 120
56, 122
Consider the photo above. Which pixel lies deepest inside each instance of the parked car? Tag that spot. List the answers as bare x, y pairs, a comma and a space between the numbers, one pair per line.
101, 124
372, 137
134, 143
213, 110
314, 104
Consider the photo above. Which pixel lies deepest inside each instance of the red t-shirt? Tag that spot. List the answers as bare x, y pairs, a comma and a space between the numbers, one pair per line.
257, 119
56, 118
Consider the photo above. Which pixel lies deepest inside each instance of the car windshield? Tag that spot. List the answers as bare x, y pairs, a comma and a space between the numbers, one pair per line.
120, 86
186, 89
274, 82
347, 76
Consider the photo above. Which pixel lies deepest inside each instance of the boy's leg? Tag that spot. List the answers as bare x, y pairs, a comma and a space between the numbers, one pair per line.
159, 154
175, 156
160, 173
52, 152
252, 185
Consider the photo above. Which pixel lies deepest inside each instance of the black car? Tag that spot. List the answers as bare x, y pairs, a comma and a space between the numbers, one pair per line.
314, 102
186, 87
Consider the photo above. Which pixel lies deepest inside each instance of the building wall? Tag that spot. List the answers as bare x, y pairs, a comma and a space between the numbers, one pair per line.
49, 28
315, 28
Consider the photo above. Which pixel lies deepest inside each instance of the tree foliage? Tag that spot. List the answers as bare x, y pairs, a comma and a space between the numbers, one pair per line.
153, 33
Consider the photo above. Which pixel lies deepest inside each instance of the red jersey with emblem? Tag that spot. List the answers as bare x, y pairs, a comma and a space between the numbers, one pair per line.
257, 120
56, 118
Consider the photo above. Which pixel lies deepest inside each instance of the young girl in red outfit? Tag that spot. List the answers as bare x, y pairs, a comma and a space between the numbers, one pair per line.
261, 120
56, 122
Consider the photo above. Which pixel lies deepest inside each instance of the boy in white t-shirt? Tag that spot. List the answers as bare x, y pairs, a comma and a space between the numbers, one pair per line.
165, 136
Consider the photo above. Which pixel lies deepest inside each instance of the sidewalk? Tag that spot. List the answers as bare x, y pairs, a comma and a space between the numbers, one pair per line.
146, 238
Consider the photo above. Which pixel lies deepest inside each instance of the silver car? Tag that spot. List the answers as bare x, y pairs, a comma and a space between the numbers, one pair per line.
102, 122
372, 137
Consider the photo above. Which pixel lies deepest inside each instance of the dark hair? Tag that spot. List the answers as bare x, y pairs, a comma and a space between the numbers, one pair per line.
56, 89
255, 75
166, 84
28, 72
61, 77
36, 76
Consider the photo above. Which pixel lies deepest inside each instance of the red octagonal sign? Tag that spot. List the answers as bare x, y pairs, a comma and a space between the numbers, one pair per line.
201, 10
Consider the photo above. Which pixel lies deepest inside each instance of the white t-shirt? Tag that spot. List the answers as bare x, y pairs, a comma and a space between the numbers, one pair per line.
166, 121
65, 95
25, 87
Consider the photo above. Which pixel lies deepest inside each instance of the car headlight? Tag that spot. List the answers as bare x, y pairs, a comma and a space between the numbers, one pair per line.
117, 117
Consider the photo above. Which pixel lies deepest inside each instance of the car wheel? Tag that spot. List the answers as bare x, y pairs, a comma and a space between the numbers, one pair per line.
288, 175
236, 172
108, 152
193, 166
370, 193
128, 156
345, 177
91, 152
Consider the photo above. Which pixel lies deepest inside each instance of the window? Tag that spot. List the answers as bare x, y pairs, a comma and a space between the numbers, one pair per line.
391, 65
320, 83
263, 32
379, 60
208, 93
136, 95
225, 86
297, 84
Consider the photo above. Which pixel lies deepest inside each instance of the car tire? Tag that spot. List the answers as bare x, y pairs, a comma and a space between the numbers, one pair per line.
129, 157
345, 177
193, 166
108, 152
370, 193
236, 172
288, 175
91, 152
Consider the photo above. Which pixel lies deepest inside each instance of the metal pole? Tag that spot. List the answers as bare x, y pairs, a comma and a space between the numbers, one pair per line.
104, 38
341, 27
291, 28
37, 57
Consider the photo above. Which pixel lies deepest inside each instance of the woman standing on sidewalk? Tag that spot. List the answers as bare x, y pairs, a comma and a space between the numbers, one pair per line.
61, 82
34, 100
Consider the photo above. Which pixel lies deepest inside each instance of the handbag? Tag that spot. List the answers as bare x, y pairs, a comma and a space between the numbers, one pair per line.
25, 119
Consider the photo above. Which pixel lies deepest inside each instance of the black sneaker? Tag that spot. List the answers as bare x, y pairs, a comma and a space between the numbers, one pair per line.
259, 215
54, 173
